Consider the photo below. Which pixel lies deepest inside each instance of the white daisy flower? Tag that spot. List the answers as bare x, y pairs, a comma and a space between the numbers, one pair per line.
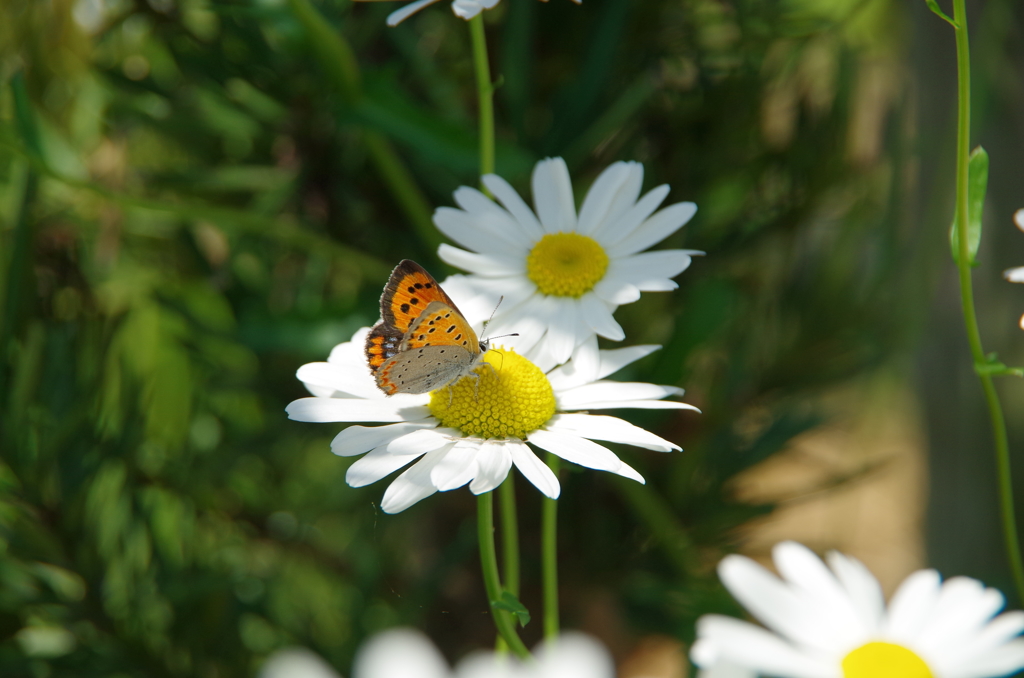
562, 274
405, 653
1017, 274
834, 623
475, 431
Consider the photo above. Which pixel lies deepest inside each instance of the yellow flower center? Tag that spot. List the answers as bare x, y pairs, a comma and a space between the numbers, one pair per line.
884, 660
566, 264
508, 398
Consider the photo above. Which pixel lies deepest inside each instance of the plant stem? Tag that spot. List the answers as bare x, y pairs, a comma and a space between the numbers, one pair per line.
485, 94
1002, 448
509, 535
492, 582
549, 557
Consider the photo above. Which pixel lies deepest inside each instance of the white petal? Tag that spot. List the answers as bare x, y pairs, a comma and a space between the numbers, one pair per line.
494, 462
969, 651
464, 229
296, 662
963, 608
615, 359
649, 270
533, 469
573, 655
622, 206
726, 670
487, 664
617, 230
457, 467
351, 352
467, 9
773, 602
599, 318
577, 450
912, 605
486, 265
552, 195
610, 429
1002, 661
658, 227
496, 222
399, 653
862, 588
516, 206
581, 397
345, 377
422, 440
400, 15
595, 208
627, 471
378, 463
1018, 218
358, 439
835, 617
1014, 274
582, 368
751, 646
562, 329
412, 486
616, 290
320, 410
636, 405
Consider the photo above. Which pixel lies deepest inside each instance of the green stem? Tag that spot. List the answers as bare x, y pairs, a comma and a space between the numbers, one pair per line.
509, 535
485, 93
492, 582
963, 148
549, 557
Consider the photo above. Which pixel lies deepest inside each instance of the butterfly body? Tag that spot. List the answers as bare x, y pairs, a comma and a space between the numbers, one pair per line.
422, 341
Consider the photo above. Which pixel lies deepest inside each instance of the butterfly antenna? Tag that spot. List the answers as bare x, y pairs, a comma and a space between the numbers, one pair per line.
488, 321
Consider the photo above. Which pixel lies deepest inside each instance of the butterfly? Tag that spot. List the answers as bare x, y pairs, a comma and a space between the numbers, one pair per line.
422, 341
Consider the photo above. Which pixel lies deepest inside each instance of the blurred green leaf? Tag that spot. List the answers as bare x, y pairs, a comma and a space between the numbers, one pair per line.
977, 186
510, 603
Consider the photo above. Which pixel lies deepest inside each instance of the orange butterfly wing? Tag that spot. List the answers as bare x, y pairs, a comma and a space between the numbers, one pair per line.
409, 291
440, 325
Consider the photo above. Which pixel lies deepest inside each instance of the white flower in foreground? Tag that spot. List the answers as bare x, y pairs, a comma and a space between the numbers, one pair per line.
474, 432
561, 274
404, 653
296, 662
1017, 274
834, 623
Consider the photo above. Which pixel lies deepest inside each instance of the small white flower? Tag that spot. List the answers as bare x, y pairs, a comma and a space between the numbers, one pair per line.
1017, 274
561, 274
464, 9
474, 432
296, 662
834, 623
405, 653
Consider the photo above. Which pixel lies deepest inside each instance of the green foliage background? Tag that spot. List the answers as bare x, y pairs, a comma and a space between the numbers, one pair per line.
198, 197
